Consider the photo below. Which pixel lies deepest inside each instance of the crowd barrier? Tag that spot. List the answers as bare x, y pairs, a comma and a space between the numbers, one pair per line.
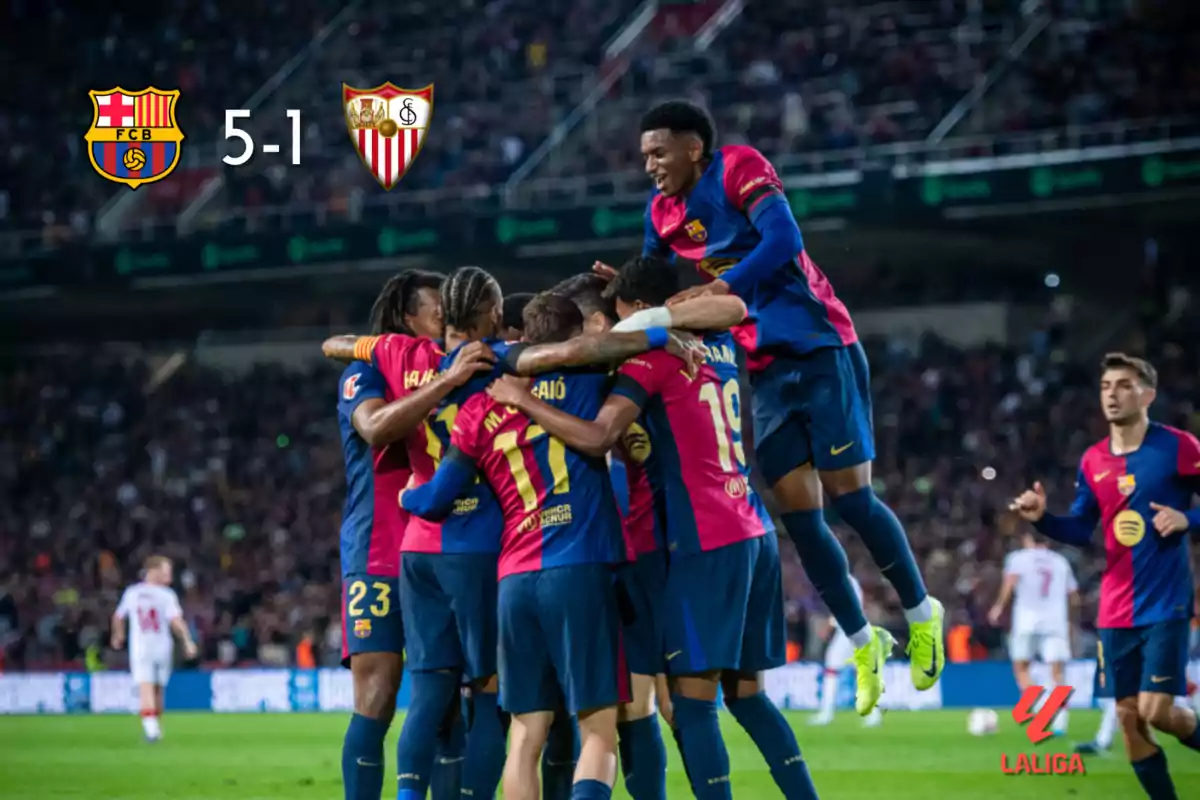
795, 686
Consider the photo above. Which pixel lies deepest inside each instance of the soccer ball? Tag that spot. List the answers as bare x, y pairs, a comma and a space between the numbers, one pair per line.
982, 722
134, 159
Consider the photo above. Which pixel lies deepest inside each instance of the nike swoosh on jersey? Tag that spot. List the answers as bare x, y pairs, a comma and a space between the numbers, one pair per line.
1101, 476
837, 451
1157, 679
672, 655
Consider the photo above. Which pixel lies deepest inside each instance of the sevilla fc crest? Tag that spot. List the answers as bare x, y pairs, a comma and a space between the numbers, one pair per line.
134, 138
388, 126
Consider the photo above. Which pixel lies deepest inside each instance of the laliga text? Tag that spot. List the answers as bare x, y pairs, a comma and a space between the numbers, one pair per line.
1035, 712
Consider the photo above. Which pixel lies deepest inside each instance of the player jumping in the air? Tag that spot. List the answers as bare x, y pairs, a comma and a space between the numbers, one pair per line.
558, 621
1137, 483
722, 603
1042, 587
377, 468
725, 209
154, 609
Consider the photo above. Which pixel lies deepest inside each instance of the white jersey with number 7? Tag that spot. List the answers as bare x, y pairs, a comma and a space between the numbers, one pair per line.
1041, 596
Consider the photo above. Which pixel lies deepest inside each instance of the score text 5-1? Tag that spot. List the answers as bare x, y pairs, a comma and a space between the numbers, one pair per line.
232, 131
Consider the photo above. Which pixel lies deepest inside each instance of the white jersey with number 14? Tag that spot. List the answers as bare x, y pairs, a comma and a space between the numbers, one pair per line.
149, 608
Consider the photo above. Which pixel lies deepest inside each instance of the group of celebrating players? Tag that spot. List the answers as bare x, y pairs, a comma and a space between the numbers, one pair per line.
550, 514
483, 504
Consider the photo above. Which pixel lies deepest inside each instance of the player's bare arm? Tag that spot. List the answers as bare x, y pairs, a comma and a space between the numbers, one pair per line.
708, 313
341, 348
180, 629
590, 437
118, 632
381, 423
603, 348
1006, 592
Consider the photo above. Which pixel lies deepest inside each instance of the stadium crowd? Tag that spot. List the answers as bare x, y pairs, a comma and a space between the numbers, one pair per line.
239, 478
795, 78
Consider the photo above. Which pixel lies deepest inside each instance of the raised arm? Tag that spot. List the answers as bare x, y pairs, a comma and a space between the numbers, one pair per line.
590, 437
706, 313
594, 349
1074, 528
435, 500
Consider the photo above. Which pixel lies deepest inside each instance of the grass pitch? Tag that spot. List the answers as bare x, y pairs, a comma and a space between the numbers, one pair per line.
914, 756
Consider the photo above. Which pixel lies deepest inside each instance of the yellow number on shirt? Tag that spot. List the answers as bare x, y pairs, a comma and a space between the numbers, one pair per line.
557, 458
507, 442
727, 401
357, 591
433, 445
383, 601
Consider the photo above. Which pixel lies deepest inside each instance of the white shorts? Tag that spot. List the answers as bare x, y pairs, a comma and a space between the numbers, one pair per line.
1051, 648
156, 670
839, 651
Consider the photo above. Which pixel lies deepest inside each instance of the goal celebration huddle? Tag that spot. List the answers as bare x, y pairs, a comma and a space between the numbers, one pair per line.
553, 529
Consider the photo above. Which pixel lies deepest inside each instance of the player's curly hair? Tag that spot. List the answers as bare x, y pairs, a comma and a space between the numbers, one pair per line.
551, 317
399, 297
682, 116
514, 308
649, 279
464, 294
586, 290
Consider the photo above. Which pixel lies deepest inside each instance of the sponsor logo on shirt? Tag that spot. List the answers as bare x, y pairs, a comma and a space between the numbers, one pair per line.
350, 388
1128, 527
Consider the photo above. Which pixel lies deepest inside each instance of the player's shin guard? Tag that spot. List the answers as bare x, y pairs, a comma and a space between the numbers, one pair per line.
446, 778
433, 694
884, 537
643, 758
362, 758
487, 737
703, 748
776, 741
1152, 774
825, 563
559, 756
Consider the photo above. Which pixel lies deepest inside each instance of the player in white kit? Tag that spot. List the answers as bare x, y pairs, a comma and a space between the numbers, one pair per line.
838, 654
1042, 587
153, 610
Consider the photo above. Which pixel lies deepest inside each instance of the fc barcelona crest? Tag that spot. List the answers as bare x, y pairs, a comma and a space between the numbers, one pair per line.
388, 125
134, 138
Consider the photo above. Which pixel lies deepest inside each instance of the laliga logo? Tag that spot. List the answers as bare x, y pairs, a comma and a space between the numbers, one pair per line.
1036, 723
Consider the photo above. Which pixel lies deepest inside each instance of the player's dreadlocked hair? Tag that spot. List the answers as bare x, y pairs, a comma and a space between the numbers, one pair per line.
551, 317
464, 292
399, 297
647, 278
514, 308
682, 116
586, 290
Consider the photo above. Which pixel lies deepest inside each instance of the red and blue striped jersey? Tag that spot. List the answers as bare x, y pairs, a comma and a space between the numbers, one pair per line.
558, 504
639, 517
1147, 577
372, 521
794, 311
697, 463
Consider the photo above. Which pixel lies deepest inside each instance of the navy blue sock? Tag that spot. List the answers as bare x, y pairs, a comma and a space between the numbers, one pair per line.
591, 790
559, 756
825, 563
774, 738
1192, 741
433, 694
643, 758
362, 758
703, 748
679, 746
446, 779
885, 538
487, 744
1152, 774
